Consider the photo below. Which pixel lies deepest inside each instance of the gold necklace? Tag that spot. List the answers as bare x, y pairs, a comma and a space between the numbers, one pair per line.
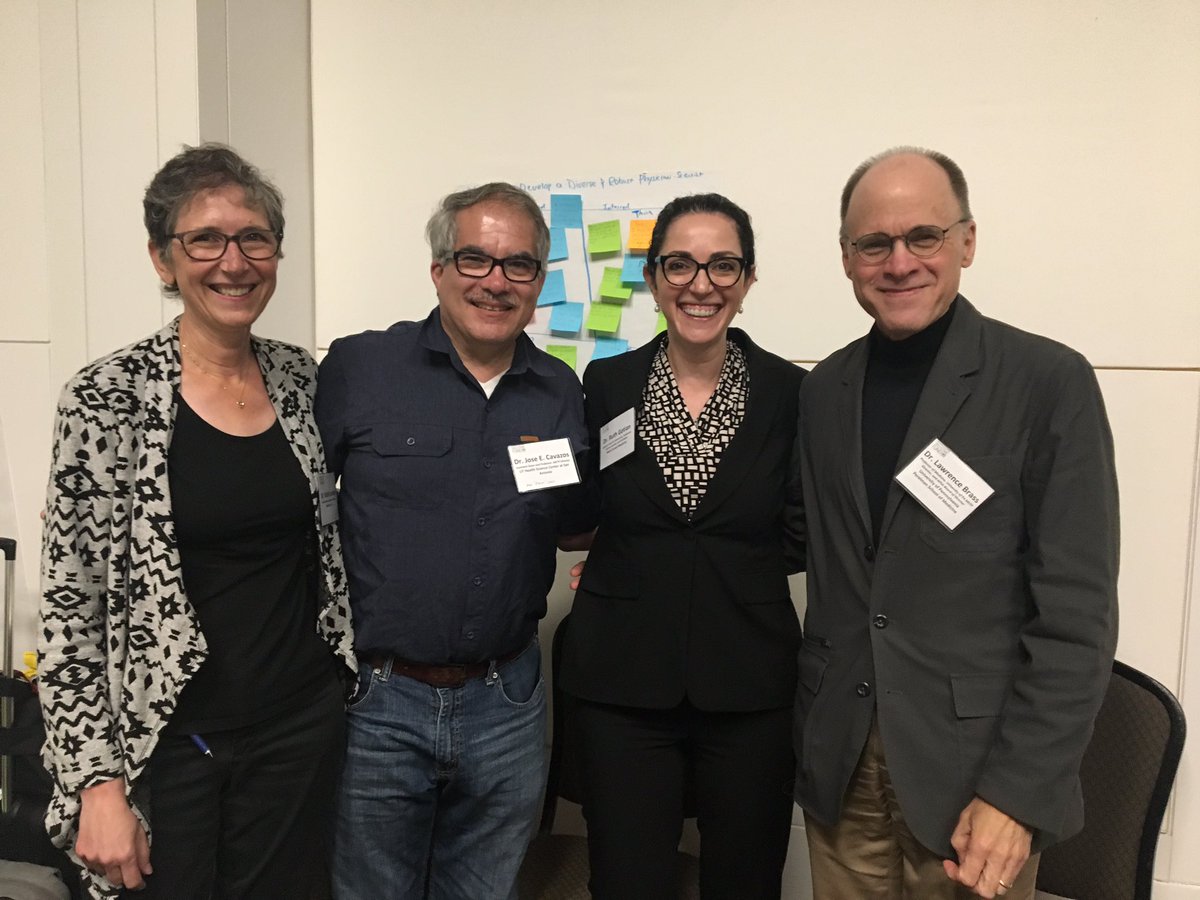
240, 400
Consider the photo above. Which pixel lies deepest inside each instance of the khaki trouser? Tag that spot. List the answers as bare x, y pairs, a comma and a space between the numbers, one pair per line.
871, 855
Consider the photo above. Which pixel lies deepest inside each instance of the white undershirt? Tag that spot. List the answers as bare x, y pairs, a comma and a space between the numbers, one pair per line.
490, 385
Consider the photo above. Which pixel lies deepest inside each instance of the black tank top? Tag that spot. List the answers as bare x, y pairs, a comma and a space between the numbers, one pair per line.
244, 524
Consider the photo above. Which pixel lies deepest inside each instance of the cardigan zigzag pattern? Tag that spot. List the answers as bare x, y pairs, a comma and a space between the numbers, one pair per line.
118, 639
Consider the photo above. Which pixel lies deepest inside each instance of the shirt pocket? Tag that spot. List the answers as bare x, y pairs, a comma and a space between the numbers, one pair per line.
415, 462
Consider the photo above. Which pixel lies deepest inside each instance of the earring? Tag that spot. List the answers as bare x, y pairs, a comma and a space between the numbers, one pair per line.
741, 309
656, 309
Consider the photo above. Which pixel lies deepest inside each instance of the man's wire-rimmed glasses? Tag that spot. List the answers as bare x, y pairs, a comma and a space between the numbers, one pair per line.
922, 242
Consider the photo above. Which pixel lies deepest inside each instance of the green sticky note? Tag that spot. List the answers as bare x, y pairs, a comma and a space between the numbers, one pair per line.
566, 352
604, 237
605, 317
661, 325
611, 287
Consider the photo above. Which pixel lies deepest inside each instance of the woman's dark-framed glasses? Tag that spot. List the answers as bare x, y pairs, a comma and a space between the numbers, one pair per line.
922, 242
680, 271
204, 245
518, 269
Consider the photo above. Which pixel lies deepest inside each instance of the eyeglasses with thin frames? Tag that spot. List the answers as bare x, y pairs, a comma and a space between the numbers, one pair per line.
922, 242
206, 245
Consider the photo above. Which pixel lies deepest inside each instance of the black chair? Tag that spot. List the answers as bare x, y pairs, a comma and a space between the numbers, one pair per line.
1127, 773
556, 865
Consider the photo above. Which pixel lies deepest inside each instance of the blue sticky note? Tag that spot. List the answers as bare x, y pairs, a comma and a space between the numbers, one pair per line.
566, 210
609, 347
558, 244
554, 290
631, 269
566, 318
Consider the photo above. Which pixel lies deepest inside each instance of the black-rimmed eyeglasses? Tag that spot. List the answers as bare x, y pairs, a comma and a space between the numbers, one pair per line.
680, 271
922, 242
204, 245
518, 269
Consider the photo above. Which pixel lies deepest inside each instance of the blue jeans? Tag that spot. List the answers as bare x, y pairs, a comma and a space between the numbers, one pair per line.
442, 786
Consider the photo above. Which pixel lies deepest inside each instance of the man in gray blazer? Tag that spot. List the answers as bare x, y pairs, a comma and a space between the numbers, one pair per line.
961, 506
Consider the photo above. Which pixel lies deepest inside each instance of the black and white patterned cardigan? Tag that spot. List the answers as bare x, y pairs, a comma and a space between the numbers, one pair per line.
118, 638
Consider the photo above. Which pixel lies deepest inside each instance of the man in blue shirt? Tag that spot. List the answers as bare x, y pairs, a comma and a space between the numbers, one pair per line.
450, 553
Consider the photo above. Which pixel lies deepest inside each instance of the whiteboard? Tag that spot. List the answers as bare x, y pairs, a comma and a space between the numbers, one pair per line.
1076, 124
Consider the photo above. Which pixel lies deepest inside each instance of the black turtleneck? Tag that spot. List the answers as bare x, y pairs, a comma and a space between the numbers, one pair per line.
896, 373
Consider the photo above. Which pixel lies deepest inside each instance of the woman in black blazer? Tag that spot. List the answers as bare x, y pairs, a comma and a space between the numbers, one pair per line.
681, 653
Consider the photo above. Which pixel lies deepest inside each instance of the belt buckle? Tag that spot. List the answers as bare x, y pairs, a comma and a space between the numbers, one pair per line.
456, 676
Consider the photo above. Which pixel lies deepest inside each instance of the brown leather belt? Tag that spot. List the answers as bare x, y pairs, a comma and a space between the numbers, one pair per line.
438, 676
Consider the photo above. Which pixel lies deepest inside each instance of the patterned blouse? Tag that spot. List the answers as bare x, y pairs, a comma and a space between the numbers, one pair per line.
689, 450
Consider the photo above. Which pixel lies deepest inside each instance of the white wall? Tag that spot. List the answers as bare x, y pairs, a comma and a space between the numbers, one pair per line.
95, 97
89, 95
1075, 123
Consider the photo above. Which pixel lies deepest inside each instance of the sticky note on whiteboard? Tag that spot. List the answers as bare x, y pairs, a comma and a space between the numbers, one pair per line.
566, 211
604, 317
567, 318
609, 347
604, 237
558, 244
566, 352
554, 289
640, 231
611, 287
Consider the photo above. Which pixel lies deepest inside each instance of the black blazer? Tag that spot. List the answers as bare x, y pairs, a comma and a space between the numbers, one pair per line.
669, 608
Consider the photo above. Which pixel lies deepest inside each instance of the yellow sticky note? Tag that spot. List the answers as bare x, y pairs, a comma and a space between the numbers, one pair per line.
661, 325
604, 237
640, 231
605, 317
568, 353
611, 287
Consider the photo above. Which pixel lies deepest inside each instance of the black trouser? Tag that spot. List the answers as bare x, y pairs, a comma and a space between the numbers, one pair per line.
635, 763
253, 821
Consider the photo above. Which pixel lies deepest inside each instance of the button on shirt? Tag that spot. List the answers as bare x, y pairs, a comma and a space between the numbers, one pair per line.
447, 562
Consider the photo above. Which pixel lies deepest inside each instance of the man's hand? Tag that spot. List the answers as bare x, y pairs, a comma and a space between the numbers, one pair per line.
992, 849
111, 840
576, 574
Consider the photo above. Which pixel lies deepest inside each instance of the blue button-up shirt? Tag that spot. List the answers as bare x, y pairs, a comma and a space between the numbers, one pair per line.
447, 562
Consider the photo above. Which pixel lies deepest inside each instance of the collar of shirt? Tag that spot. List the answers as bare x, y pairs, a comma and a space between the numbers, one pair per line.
434, 338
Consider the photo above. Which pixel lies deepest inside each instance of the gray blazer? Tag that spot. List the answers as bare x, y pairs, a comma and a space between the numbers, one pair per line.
986, 651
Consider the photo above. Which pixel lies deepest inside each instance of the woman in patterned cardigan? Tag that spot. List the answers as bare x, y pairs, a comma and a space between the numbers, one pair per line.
194, 619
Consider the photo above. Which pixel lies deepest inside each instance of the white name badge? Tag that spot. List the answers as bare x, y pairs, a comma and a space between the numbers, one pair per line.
616, 439
543, 464
944, 484
327, 497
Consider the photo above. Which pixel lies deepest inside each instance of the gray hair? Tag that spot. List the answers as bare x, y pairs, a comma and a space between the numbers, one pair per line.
442, 230
193, 171
958, 181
